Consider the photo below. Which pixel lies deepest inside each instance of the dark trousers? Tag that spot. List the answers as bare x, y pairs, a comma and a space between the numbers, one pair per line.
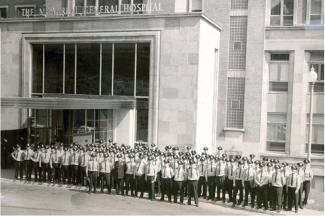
220, 183
92, 175
105, 180
166, 188
238, 187
56, 173
212, 187
276, 198
65, 174
129, 184
74, 174
248, 191
120, 186
262, 196
285, 197
229, 188
46, 172
306, 189
202, 184
82, 175
139, 185
19, 169
36, 171
178, 188
113, 178
158, 182
28, 169
292, 198
151, 187
300, 195
192, 187
185, 183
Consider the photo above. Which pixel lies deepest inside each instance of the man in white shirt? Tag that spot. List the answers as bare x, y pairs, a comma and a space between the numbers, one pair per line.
238, 183
151, 176
220, 179
249, 175
65, 162
166, 181
261, 181
202, 184
55, 165
139, 176
18, 156
277, 181
178, 188
105, 167
293, 185
84, 159
28, 162
193, 177
35, 158
308, 177
92, 172
45, 164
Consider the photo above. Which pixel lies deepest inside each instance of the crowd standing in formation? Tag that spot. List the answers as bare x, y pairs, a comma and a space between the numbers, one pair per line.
266, 183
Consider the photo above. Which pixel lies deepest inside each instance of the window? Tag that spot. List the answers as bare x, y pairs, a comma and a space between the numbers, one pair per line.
238, 39
3, 12
108, 6
281, 13
25, 10
88, 68
142, 119
317, 139
276, 131
279, 72
317, 61
313, 12
235, 102
239, 4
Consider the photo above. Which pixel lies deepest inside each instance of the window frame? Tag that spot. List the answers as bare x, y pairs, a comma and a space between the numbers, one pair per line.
268, 141
7, 11
277, 62
24, 6
318, 81
308, 13
282, 15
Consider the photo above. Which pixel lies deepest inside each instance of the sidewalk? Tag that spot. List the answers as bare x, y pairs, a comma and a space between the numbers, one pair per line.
314, 208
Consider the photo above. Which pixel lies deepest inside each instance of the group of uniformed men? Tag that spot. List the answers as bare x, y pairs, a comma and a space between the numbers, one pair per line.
267, 182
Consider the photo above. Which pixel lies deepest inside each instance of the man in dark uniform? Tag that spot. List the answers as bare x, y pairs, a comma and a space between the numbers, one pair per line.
120, 168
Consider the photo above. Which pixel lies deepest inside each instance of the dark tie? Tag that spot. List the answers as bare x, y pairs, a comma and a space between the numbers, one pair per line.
211, 166
139, 167
276, 176
149, 168
219, 170
261, 174
93, 165
231, 170
105, 165
292, 180
27, 153
239, 173
191, 172
248, 174
56, 156
179, 172
202, 167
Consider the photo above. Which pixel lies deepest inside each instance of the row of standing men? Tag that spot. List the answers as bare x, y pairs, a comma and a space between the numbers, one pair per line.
266, 183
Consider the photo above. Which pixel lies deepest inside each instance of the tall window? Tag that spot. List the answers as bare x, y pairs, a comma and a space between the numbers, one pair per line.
276, 131
238, 39
54, 68
235, 102
142, 119
313, 12
281, 12
317, 139
3, 11
279, 72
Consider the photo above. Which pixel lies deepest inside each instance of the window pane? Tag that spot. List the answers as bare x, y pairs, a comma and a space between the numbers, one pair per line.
278, 86
124, 69
54, 68
279, 57
275, 20
287, 20
69, 68
319, 87
284, 71
273, 72
88, 69
287, 7
79, 6
196, 5
106, 69
276, 146
143, 64
315, 19
78, 120
316, 7
37, 68
142, 120
275, 7
3, 13
91, 7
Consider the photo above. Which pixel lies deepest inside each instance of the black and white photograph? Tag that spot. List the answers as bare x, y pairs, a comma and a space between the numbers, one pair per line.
162, 107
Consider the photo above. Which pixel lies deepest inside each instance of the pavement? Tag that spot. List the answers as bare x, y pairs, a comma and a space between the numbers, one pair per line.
32, 198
